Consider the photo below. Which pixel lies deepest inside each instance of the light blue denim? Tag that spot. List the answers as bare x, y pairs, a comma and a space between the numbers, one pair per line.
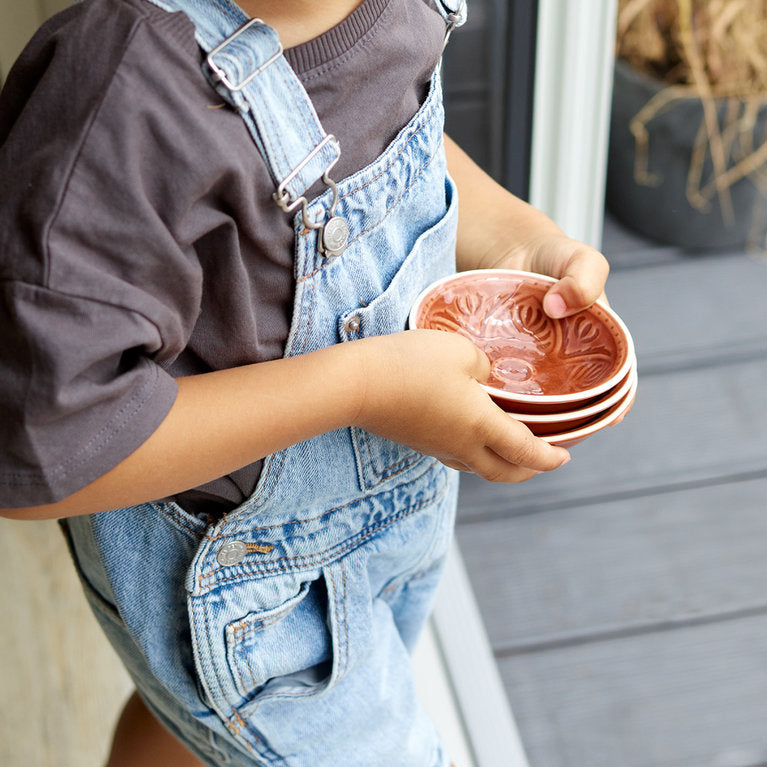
295, 650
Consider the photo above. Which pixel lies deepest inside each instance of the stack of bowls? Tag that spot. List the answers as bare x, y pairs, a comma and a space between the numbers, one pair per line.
566, 379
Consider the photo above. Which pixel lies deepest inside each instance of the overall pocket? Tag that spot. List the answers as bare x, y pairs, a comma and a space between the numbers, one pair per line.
294, 650
283, 658
431, 258
285, 650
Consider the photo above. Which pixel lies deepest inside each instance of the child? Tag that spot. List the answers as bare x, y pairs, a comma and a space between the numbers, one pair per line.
204, 365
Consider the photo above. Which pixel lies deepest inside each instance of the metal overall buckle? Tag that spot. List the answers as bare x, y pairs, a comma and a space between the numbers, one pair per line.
454, 19
220, 75
334, 232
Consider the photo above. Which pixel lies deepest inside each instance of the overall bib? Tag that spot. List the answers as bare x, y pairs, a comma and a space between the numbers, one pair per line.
280, 635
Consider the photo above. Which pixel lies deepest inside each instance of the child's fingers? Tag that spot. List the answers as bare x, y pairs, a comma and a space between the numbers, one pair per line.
512, 453
581, 284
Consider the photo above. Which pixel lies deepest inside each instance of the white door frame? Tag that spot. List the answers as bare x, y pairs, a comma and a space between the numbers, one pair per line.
571, 117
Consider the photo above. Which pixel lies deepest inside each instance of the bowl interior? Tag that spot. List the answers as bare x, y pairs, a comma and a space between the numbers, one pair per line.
564, 418
534, 358
555, 410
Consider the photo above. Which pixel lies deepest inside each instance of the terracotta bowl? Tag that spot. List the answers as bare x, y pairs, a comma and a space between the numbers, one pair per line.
615, 414
556, 423
539, 365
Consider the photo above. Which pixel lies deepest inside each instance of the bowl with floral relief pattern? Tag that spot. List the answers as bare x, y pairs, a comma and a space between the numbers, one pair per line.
610, 417
539, 365
547, 424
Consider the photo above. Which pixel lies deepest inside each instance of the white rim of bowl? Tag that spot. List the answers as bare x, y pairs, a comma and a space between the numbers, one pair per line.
542, 399
585, 412
599, 424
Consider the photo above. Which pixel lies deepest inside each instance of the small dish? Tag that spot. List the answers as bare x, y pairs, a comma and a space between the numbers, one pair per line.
615, 414
538, 363
568, 420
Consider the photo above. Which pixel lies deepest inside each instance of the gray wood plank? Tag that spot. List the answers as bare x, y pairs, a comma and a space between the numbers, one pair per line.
708, 309
572, 575
694, 697
686, 428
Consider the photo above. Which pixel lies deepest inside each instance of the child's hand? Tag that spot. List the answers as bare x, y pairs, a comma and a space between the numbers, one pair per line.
580, 269
498, 230
422, 390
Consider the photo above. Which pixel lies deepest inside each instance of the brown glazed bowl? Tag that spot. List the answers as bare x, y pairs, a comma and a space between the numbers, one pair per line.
615, 414
569, 420
539, 365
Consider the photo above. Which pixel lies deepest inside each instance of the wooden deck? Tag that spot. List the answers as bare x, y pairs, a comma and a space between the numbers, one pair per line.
625, 596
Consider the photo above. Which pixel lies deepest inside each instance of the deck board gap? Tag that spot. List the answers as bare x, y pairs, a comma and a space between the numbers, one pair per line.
611, 633
472, 515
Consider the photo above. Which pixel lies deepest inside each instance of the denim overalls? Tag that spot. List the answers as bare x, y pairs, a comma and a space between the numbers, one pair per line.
281, 634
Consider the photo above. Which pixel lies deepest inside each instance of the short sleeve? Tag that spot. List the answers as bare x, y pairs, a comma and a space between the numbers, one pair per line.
78, 391
100, 283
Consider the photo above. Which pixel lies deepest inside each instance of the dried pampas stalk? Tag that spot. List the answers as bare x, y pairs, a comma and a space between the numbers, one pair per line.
712, 50
700, 81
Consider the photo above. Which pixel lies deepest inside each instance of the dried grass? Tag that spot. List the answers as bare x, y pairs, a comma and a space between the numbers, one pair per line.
719, 44
715, 51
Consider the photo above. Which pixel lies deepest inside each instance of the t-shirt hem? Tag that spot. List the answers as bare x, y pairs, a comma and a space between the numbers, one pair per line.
143, 413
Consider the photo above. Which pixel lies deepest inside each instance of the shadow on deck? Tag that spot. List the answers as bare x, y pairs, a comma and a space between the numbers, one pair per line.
625, 595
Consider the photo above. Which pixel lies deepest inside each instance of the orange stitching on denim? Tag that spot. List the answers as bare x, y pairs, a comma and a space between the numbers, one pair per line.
400, 515
380, 220
251, 626
243, 723
297, 521
323, 557
300, 521
287, 522
253, 732
240, 649
309, 318
396, 202
173, 515
395, 157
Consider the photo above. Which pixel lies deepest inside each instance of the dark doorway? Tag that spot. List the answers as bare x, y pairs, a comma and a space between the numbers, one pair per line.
489, 78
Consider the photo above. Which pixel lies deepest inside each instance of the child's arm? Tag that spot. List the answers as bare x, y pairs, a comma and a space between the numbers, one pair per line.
497, 229
416, 387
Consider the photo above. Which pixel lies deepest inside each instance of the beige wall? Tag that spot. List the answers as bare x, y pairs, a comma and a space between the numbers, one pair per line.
18, 21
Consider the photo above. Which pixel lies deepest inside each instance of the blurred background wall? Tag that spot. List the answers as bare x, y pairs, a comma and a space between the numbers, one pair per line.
18, 21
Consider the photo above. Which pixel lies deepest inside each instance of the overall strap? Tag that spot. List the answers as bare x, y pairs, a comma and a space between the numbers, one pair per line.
245, 65
454, 12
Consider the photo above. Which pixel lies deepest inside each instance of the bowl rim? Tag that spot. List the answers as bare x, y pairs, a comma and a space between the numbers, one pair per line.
538, 399
594, 409
598, 424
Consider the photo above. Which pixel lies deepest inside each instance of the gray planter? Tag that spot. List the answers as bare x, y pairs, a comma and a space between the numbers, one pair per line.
662, 212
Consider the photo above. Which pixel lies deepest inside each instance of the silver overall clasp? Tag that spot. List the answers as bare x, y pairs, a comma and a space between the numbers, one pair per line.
221, 76
334, 232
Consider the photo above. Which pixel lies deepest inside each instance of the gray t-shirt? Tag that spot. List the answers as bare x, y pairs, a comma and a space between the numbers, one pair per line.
139, 240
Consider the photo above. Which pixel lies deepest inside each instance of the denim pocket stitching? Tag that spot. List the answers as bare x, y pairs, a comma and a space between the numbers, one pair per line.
180, 519
242, 629
290, 564
412, 457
